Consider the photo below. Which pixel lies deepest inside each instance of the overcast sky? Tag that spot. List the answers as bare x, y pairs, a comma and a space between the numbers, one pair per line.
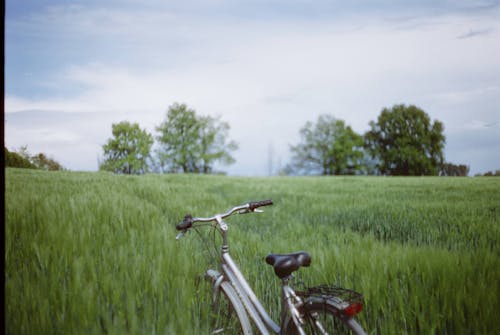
72, 68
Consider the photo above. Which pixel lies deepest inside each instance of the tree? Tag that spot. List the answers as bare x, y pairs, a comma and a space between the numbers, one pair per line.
328, 147
129, 151
16, 160
453, 170
43, 162
23, 159
192, 144
179, 135
405, 142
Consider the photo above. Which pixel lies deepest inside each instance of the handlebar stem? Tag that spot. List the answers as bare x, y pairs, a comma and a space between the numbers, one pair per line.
222, 224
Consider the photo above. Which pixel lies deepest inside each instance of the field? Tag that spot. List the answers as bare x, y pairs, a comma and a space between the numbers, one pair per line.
95, 253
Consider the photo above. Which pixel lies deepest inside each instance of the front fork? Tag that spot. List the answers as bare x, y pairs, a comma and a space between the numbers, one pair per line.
216, 278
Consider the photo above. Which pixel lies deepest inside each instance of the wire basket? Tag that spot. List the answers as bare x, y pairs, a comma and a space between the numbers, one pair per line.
347, 301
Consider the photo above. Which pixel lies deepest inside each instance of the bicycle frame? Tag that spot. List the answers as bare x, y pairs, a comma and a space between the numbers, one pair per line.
232, 274
249, 304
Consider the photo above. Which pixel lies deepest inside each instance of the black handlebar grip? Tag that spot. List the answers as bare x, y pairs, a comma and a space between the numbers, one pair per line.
256, 204
186, 223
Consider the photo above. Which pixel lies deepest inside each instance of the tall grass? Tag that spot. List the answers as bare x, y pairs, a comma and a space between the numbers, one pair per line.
96, 253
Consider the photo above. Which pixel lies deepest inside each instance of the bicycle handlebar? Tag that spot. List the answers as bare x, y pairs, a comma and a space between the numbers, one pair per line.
256, 204
188, 220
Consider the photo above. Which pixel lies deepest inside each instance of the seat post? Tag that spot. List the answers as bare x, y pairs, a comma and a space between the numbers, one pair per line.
289, 301
286, 280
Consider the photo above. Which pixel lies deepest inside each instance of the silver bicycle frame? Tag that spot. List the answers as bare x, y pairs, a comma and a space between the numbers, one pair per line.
252, 305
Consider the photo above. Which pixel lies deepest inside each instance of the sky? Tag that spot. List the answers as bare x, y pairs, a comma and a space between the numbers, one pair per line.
73, 68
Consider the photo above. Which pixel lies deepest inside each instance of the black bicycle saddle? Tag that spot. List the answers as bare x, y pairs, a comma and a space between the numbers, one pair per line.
285, 264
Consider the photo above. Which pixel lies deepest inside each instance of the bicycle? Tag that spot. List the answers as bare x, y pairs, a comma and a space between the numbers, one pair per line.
316, 310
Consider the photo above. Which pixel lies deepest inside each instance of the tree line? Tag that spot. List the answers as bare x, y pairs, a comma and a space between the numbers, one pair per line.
402, 141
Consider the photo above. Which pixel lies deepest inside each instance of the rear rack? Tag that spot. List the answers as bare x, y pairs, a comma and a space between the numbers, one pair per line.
347, 301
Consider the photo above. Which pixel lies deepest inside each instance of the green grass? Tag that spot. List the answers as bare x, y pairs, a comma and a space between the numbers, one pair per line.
95, 253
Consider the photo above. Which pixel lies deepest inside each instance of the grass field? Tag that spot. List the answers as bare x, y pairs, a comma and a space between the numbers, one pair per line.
95, 253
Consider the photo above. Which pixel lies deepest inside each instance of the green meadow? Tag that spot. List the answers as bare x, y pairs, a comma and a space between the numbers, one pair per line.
95, 253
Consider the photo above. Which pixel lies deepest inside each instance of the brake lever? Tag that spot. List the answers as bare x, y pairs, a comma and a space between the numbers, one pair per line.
180, 235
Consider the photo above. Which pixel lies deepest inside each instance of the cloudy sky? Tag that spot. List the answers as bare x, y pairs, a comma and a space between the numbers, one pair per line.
72, 68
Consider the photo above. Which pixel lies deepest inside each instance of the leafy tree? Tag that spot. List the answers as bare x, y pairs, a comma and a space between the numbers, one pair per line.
129, 151
190, 143
405, 142
179, 135
328, 147
16, 160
